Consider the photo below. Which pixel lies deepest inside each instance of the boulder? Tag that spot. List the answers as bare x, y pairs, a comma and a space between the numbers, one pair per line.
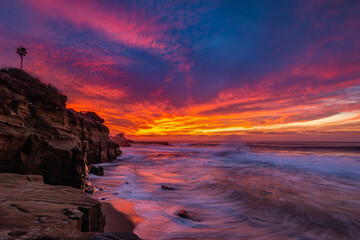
99, 171
167, 188
89, 188
185, 214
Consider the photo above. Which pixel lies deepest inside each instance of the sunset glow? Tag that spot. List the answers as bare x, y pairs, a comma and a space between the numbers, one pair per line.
192, 69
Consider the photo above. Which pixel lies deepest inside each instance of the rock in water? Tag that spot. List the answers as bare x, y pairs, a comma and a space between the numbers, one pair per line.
99, 171
31, 209
105, 189
185, 214
167, 188
89, 188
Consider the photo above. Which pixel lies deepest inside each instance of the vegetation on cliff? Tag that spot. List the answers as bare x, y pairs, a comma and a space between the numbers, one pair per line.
35, 91
22, 52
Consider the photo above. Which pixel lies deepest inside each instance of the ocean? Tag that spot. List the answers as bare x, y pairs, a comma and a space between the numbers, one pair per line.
236, 190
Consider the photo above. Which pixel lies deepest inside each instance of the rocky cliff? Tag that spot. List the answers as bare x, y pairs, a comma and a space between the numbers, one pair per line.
38, 135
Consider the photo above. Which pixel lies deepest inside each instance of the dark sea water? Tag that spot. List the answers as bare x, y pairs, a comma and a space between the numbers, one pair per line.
274, 190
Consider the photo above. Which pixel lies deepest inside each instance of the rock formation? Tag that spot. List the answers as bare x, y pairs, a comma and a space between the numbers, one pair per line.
121, 140
38, 135
163, 187
31, 209
125, 142
98, 171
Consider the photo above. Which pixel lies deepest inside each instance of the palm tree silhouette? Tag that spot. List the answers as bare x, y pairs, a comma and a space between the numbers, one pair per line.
21, 51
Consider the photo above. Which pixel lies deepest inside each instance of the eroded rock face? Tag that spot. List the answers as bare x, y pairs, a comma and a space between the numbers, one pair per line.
31, 209
47, 139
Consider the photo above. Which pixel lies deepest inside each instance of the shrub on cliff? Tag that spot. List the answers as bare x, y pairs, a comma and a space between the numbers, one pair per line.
36, 92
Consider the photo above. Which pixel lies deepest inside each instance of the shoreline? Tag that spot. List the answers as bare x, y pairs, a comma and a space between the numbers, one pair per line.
116, 221
120, 213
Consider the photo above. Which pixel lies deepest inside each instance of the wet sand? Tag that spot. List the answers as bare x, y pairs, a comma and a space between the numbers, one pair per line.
120, 213
116, 221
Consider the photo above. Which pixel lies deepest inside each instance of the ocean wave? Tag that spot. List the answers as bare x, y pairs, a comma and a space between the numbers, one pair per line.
238, 194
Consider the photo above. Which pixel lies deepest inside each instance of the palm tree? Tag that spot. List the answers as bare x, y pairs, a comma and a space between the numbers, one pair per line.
22, 52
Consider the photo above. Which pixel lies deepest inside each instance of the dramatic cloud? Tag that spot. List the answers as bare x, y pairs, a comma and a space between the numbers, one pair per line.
197, 68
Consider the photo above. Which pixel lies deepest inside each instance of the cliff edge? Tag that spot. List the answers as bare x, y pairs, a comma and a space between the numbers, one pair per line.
40, 136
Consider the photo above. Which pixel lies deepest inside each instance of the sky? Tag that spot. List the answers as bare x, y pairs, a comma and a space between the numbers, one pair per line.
201, 69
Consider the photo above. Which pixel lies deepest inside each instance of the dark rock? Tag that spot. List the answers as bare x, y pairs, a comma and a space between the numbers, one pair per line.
99, 171
185, 214
89, 188
17, 233
127, 183
104, 189
167, 188
115, 236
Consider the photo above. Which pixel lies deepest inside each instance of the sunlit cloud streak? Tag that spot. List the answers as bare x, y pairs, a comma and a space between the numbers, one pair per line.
195, 68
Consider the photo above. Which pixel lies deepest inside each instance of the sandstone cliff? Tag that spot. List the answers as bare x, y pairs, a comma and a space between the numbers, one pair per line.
38, 135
